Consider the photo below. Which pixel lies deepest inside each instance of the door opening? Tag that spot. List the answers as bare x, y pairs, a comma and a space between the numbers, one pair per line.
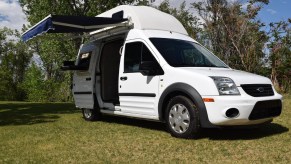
110, 59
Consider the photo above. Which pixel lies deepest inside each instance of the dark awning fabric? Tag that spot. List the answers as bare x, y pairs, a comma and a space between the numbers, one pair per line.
70, 24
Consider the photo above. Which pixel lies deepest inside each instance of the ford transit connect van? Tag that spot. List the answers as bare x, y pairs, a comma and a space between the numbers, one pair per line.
141, 63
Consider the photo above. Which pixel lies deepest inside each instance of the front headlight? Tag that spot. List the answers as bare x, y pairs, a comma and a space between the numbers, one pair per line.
225, 85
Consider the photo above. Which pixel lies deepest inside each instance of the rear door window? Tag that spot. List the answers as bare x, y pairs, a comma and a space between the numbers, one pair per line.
84, 59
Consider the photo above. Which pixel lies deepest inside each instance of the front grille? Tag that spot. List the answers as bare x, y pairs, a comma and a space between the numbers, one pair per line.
258, 90
266, 109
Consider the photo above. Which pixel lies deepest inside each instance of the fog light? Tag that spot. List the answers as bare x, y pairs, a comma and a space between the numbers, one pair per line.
232, 113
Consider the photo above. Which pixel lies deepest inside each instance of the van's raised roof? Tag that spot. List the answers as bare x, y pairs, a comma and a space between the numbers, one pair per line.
147, 18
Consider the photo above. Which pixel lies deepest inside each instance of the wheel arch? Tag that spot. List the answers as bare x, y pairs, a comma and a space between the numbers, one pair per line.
189, 92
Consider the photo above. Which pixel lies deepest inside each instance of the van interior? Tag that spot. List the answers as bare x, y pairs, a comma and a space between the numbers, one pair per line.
109, 69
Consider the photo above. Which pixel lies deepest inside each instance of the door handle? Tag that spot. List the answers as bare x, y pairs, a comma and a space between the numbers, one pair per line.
88, 79
123, 78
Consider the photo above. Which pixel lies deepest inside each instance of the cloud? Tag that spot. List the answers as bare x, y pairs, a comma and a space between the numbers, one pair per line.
177, 3
11, 14
245, 5
271, 11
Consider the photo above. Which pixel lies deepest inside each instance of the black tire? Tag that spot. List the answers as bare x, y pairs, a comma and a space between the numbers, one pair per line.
91, 114
182, 117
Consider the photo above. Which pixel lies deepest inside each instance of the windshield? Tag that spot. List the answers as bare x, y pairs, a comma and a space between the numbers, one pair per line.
181, 53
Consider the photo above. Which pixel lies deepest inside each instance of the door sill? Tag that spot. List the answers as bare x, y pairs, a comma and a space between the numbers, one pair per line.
132, 115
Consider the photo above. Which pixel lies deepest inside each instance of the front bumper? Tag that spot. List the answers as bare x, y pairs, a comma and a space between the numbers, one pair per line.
252, 110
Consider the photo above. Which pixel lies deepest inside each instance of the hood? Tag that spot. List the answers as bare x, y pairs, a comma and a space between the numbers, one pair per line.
239, 77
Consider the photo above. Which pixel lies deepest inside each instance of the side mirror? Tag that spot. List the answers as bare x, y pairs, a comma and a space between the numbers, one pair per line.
150, 68
70, 66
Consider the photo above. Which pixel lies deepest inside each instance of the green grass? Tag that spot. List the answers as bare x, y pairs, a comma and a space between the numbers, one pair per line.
57, 133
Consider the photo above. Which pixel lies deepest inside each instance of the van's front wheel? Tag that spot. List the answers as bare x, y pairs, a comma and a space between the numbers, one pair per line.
91, 114
182, 117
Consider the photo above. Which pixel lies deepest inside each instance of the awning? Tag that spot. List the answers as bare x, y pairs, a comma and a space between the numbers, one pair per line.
72, 24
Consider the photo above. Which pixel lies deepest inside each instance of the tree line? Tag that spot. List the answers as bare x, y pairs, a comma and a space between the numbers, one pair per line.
31, 71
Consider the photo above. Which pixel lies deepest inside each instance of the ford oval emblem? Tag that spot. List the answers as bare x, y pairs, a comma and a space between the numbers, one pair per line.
260, 89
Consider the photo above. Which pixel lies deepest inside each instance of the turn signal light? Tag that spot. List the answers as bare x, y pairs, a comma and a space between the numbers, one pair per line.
208, 99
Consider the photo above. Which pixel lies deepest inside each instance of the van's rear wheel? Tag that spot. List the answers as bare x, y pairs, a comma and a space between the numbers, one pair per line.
91, 114
182, 117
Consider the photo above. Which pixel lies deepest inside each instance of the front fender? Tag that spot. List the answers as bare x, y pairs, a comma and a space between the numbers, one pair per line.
191, 93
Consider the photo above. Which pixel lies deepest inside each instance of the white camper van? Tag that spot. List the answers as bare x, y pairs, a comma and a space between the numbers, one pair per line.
141, 63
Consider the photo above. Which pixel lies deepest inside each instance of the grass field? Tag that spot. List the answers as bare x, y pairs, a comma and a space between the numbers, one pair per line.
57, 133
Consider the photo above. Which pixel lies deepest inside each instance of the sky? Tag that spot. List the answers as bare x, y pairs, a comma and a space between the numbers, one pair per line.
275, 11
12, 16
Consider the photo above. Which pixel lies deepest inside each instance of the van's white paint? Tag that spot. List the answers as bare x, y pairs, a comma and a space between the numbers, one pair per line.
147, 23
145, 18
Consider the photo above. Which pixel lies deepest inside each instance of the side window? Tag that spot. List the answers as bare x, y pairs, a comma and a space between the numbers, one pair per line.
84, 59
134, 54
132, 57
146, 54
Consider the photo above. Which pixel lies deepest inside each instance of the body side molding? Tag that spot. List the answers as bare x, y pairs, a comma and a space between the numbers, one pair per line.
83, 93
138, 94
